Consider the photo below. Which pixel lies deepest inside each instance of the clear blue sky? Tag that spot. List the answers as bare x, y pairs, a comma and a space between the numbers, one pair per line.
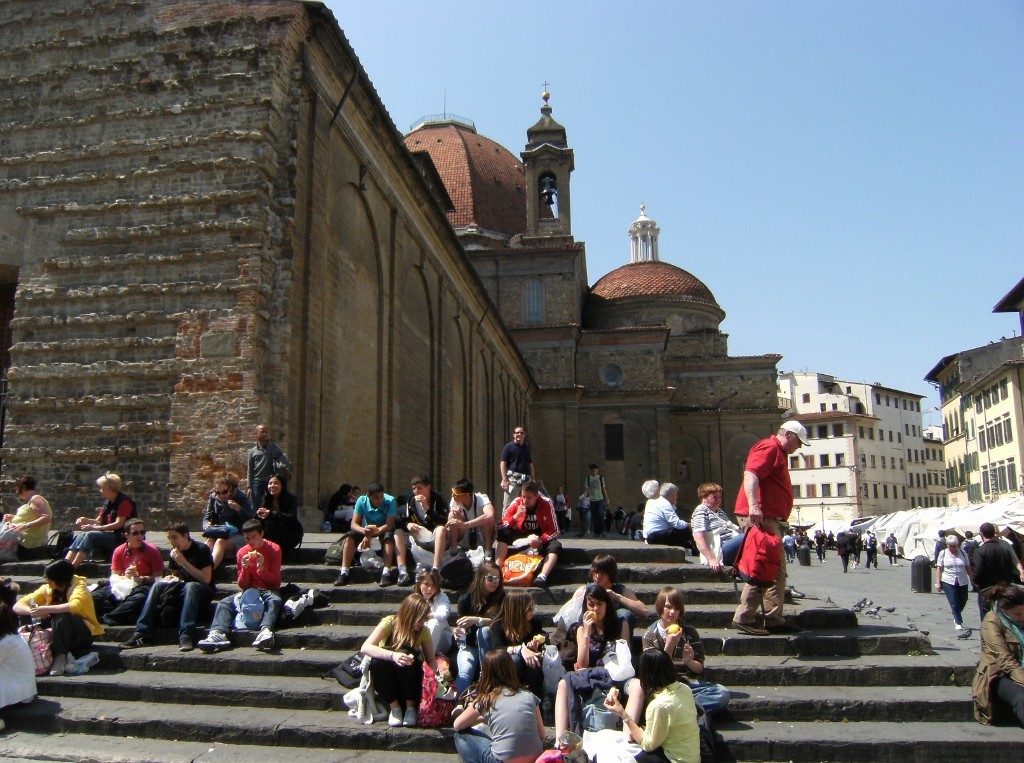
846, 177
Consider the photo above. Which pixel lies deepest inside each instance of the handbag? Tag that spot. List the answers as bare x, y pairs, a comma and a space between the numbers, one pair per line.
39, 642
434, 710
9, 541
349, 672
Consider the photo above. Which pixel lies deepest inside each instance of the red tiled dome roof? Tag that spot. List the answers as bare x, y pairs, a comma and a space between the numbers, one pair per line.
486, 183
652, 279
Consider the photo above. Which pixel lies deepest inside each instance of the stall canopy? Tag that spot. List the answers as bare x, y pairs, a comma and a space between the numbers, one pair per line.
916, 530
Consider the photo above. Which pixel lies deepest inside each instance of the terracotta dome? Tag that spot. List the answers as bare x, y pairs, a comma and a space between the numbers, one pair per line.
652, 279
485, 181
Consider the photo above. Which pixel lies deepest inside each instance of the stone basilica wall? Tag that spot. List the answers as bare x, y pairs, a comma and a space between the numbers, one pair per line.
213, 224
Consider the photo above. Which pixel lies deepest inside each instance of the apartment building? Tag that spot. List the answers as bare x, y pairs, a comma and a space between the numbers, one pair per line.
867, 453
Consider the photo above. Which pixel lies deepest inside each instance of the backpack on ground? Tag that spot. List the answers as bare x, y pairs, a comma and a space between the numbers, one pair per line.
333, 556
759, 558
456, 569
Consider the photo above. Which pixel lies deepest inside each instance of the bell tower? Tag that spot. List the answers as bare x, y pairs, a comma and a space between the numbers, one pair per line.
548, 162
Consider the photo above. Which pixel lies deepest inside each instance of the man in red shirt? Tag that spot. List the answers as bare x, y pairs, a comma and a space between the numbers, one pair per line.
259, 568
766, 499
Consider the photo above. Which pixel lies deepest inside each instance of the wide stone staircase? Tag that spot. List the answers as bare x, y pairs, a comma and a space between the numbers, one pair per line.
839, 690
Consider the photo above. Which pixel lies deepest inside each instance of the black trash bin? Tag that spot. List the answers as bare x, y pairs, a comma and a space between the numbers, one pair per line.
921, 575
803, 555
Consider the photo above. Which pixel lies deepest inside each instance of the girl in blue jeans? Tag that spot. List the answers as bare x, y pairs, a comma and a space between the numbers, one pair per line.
477, 608
511, 712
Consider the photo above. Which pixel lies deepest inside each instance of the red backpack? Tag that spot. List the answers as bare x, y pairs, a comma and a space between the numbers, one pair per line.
759, 558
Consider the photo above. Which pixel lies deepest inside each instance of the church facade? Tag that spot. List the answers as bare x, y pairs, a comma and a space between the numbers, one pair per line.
209, 221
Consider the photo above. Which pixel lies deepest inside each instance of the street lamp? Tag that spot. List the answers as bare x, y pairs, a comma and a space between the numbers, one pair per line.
823, 516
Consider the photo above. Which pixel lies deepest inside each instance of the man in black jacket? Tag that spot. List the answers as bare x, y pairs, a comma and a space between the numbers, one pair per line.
994, 563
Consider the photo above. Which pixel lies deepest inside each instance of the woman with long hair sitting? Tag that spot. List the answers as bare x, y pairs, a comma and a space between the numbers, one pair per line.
511, 712
518, 631
587, 643
280, 515
477, 608
998, 687
670, 730
399, 646
67, 603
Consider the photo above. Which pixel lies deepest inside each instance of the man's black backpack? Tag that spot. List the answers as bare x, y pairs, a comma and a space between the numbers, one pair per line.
58, 543
456, 569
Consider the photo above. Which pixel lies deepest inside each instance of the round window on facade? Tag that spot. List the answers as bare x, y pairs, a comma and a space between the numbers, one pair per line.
612, 375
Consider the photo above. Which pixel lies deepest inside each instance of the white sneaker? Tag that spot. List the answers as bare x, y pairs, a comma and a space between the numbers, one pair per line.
59, 665
264, 641
395, 717
311, 596
214, 642
295, 606
410, 717
957, 627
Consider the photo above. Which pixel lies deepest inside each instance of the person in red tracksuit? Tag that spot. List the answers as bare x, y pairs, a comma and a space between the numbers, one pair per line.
531, 514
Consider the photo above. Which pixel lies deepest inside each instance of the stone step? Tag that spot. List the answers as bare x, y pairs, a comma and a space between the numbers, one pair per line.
30, 747
249, 689
879, 742
876, 670
847, 704
230, 724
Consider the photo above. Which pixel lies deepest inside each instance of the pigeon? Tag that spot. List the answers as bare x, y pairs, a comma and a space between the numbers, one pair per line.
890, 610
873, 612
860, 604
828, 600
912, 627
925, 633
965, 634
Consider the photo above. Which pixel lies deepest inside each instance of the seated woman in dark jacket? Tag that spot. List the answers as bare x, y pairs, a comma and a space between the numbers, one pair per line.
518, 631
280, 515
106, 531
998, 687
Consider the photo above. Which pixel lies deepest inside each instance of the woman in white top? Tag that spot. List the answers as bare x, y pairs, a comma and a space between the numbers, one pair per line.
17, 671
954, 575
428, 585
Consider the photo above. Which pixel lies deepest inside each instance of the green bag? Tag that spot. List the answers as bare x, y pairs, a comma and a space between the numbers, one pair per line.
333, 555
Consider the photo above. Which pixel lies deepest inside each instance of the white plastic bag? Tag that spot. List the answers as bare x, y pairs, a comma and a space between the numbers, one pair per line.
551, 664
619, 663
421, 555
120, 586
572, 611
476, 556
369, 560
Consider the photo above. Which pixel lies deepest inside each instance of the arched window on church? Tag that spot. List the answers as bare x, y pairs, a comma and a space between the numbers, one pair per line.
533, 301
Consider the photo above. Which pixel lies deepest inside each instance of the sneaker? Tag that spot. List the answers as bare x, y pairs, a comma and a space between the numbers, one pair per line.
385, 579
214, 642
957, 627
311, 595
403, 577
420, 570
457, 711
60, 662
540, 581
409, 719
264, 641
342, 579
136, 641
185, 643
395, 717
751, 629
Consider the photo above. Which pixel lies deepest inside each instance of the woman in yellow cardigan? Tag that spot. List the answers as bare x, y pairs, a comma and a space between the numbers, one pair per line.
67, 603
998, 687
